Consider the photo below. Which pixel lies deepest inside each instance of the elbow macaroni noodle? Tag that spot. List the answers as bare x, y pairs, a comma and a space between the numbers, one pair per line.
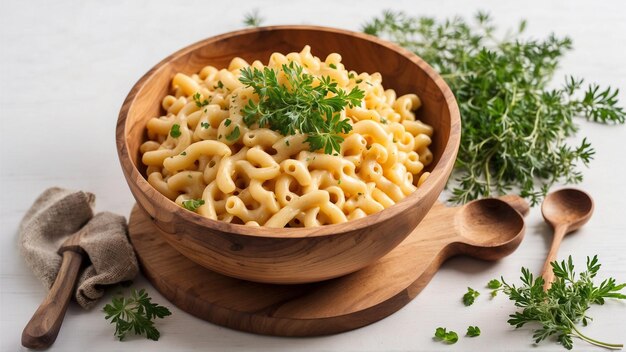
258, 177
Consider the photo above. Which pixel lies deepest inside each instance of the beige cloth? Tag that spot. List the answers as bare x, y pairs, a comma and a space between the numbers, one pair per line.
57, 214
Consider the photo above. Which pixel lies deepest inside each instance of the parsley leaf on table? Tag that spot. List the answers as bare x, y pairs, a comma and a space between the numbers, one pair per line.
515, 126
449, 337
494, 285
135, 314
473, 331
470, 296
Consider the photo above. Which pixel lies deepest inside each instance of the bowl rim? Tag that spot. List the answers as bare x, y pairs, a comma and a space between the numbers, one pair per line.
441, 169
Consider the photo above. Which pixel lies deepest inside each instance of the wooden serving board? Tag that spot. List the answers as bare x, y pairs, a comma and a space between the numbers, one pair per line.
332, 306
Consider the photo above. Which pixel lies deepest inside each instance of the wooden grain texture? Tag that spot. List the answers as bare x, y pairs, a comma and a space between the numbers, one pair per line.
566, 210
43, 328
291, 255
487, 229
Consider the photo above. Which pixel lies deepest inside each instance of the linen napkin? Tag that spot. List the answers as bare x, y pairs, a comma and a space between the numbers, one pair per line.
59, 213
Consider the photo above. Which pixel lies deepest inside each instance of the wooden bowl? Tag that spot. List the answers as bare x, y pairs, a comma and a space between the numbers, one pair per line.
290, 255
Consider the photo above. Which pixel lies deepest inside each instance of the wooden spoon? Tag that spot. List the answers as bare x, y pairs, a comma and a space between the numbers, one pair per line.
566, 210
43, 328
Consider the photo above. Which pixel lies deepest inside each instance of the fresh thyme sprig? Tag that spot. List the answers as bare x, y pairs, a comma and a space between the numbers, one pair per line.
564, 305
305, 105
515, 128
135, 314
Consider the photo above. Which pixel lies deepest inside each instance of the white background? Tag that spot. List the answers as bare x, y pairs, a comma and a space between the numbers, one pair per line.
66, 67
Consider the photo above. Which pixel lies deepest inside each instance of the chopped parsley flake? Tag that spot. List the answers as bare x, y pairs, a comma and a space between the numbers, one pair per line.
234, 134
200, 103
175, 131
193, 204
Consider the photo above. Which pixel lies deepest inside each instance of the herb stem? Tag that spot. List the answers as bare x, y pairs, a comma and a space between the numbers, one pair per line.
580, 335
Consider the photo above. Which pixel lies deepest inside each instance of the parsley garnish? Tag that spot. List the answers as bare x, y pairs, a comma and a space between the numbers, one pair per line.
564, 305
183, 153
193, 204
220, 84
200, 103
470, 296
517, 127
175, 131
135, 314
287, 142
383, 120
333, 66
473, 331
305, 107
227, 122
449, 337
204, 125
234, 134
358, 81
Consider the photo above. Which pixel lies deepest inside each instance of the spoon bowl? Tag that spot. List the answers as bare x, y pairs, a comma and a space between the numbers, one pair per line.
491, 228
569, 206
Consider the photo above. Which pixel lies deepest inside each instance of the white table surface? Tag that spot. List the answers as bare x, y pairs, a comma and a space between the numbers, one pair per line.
66, 67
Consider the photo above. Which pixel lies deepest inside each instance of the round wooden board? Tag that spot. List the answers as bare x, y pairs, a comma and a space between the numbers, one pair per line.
321, 308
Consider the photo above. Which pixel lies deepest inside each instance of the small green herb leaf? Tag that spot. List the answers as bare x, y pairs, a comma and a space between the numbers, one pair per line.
473, 331
204, 125
234, 134
175, 131
135, 314
449, 337
200, 103
494, 284
333, 66
193, 204
470, 296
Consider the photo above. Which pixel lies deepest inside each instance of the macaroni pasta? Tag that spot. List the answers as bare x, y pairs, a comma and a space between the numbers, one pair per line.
201, 150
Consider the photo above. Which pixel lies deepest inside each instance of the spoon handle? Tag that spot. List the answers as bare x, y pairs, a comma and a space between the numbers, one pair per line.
43, 327
547, 273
